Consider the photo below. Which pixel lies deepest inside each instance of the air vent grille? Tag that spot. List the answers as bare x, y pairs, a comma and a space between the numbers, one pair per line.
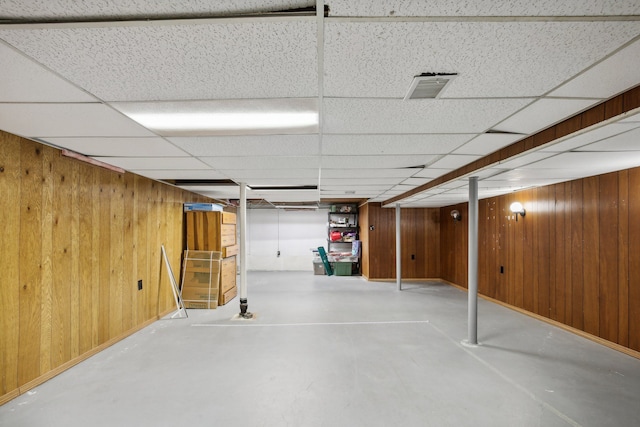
429, 85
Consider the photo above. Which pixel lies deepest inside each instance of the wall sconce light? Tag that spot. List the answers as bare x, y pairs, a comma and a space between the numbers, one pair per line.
517, 208
457, 216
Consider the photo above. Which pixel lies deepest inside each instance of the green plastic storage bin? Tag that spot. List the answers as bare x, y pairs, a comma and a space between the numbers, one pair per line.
342, 268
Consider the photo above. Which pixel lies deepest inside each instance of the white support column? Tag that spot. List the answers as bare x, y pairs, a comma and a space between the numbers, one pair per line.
473, 262
398, 249
244, 305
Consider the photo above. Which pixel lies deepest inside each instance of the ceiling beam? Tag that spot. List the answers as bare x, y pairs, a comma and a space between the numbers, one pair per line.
606, 110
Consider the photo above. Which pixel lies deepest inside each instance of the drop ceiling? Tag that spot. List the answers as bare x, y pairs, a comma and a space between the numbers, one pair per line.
71, 71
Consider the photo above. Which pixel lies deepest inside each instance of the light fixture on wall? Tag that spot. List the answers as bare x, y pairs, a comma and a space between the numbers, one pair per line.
456, 215
517, 208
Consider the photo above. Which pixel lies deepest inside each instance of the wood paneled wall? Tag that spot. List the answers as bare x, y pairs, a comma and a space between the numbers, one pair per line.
574, 257
76, 240
420, 237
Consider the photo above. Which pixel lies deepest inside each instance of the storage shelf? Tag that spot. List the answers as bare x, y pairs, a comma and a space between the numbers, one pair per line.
343, 220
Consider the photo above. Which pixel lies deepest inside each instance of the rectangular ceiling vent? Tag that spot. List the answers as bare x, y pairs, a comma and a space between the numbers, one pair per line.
429, 85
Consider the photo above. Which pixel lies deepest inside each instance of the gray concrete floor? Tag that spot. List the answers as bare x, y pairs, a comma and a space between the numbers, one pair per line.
340, 351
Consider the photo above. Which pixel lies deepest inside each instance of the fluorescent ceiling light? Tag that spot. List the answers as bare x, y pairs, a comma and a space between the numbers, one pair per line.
225, 117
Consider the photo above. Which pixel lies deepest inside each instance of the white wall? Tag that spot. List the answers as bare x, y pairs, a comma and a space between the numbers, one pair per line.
294, 233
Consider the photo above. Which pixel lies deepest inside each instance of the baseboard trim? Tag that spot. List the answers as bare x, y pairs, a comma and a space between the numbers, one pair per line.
602, 341
71, 363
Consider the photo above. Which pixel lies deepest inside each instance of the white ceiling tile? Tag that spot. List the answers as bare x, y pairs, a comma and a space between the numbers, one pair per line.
591, 163
487, 143
416, 181
483, 8
180, 173
58, 9
229, 189
403, 187
633, 116
275, 162
280, 182
519, 161
118, 147
542, 114
364, 172
186, 61
454, 161
357, 188
259, 145
253, 174
368, 162
364, 116
372, 180
492, 59
24, 80
628, 141
220, 194
431, 173
67, 120
589, 136
391, 144
533, 177
140, 163
450, 185
285, 196
606, 79
483, 174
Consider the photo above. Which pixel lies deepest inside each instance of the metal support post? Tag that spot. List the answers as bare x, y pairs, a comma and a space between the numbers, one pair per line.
244, 305
473, 261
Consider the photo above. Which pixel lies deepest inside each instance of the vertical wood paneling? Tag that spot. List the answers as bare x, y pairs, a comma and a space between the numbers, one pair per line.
552, 285
61, 303
544, 250
608, 292
96, 260
85, 257
534, 221
575, 257
511, 261
559, 304
623, 258
10, 210
363, 219
634, 259
30, 251
433, 246
420, 234
483, 255
577, 284
142, 188
527, 230
568, 233
590, 253
68, 229
104, 256
153, 227
128, 281
116, 254
46, 265
75, 260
